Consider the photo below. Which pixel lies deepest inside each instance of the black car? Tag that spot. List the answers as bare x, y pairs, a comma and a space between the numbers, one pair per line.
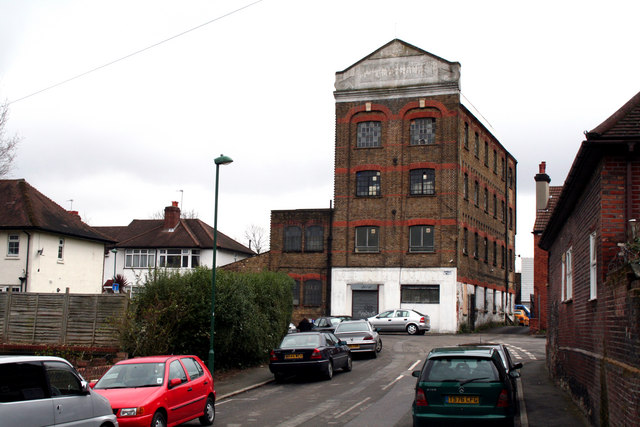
310, 353
328, 323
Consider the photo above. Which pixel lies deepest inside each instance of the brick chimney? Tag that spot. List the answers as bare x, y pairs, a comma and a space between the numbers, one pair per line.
542, 187
75, 214
171, 216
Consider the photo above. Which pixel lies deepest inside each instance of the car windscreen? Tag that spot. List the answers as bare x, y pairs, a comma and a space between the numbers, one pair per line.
459, 369
133, 375
352, 327
300, 340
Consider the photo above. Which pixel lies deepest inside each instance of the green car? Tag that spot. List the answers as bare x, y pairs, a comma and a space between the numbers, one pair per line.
462, 384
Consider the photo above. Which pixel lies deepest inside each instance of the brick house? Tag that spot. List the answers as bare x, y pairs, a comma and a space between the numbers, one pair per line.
424, 213
593, 329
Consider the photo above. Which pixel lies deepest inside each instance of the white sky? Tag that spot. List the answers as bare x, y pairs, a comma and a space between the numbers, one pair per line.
257, 85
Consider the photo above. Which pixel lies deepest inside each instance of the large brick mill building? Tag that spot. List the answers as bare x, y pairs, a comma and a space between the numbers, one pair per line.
424, 203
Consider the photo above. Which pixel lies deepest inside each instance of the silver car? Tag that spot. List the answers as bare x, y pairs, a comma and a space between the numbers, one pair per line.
48, 391
401, 320
360, 336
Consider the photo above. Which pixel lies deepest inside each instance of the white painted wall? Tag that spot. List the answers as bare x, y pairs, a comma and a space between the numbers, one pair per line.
526, 281
12, 267
443, 315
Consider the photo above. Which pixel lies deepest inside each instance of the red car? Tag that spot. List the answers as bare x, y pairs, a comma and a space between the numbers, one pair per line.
159, 391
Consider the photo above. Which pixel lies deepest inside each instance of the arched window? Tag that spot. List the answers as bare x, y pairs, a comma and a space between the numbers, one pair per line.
292, 239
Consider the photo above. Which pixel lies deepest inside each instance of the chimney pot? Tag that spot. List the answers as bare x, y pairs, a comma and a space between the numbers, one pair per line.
174, 204
543, 167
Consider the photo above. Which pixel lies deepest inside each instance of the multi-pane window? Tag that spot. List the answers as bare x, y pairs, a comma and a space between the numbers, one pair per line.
476, 147
174, 258
486, 154
292, 239
421, 238
593, 267
420, 294
567, 275
313, 238
139, 258
422, 181
369, 134
367, 239
13, 247
312, 292
368, 183
466, 136
295, 292
195, 258
423, 131
60, 249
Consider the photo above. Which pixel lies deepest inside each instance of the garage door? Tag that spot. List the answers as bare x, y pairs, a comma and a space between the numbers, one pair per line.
365, 303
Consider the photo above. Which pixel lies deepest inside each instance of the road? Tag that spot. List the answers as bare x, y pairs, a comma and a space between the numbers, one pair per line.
378, 392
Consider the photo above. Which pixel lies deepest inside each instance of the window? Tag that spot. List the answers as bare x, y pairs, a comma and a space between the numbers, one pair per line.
193, 368
369, 134
486, 302
466, 136
486, 250
593, 267
368, 183
502, 170
465, 242
295, 291
502, 208
486, 154
475, 246
495, 253
502, 255
60, 249
139, 258
511, 260
422, 181
495, 162
420, 294
476, 147
313, 238
476, 195
510, 178
465, 187
510, 218
313, 292
567, 276
174, 258
176, 371
495, 206
195, 258
22, 381
494, 302
13, 247
62, 380
486, 199
421, 238
292, 239
367, 239
423, 131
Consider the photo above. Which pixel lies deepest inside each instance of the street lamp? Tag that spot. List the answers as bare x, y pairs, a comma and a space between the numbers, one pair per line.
114, 251
222, 160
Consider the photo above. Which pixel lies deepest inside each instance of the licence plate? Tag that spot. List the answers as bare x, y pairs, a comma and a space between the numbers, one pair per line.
354, 346
463, 400
293, 356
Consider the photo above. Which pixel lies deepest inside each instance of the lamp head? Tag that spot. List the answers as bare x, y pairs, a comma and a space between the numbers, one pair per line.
223, 160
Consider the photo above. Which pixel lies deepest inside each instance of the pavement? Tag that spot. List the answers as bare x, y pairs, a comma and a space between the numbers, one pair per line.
542, 402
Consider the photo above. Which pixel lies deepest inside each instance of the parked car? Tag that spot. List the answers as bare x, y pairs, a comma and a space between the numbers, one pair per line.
505, 356
523, 307
35, 389
401, 320
360, 336
159, 391
328, 323
309, 353
520, 317
458, 384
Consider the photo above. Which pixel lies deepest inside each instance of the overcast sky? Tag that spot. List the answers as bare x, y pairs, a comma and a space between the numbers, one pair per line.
257, 86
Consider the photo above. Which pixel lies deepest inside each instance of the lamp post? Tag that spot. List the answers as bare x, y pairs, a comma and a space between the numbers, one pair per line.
222, 160
114, 251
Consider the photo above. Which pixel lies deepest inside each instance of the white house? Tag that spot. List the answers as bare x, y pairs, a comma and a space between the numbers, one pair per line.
173, 243
45, 248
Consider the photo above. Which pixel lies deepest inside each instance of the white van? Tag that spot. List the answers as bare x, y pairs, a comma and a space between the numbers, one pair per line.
48, 391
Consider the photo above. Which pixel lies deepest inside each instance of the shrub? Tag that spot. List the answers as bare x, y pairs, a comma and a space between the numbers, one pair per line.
172, 315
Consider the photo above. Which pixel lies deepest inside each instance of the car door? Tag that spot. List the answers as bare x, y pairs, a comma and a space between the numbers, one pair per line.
337, 352
71, 402
178, 396
399, 320
24, 397
199, 384
383, 321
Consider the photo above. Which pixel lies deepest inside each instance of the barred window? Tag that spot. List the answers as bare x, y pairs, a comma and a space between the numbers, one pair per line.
313, 292
422, 181
420, 294
421, 238
313, 238
369, 134
367, 239
292, 239
368, 183
423, 131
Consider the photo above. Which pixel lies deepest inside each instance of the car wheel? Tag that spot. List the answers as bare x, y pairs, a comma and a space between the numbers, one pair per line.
209, 413
412, 329
158, 420
349, 364
328, 373
379, 346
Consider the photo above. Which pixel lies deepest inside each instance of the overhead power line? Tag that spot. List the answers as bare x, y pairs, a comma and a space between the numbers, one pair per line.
136, 52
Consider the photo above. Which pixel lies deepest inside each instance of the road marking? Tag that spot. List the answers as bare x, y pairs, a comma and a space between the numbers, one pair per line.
352, 407
393, 382
412, 367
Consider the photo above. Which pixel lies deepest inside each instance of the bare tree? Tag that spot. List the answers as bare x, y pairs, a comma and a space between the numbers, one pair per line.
8, 144
256, 237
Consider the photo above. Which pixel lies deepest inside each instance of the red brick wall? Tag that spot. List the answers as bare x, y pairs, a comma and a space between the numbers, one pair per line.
540, 283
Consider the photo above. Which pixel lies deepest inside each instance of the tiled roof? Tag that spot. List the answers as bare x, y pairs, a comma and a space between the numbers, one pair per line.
623, 123
543, 215
189, 233
24, 207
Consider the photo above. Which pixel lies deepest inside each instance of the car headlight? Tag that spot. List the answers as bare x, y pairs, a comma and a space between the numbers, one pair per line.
131, 412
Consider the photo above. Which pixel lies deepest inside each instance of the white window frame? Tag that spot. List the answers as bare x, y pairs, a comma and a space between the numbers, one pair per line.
13, 240
60, 249
593, 267
146, 258
567, 276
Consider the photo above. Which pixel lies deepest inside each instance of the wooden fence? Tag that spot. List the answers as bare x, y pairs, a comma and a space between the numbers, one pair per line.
36, 319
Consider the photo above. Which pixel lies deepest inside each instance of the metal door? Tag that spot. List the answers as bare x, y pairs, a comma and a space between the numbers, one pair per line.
365, 303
